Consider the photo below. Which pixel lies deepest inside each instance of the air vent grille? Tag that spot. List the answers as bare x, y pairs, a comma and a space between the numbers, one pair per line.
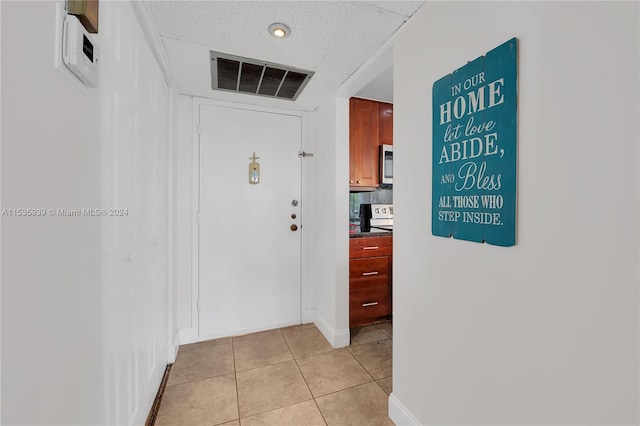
251, 76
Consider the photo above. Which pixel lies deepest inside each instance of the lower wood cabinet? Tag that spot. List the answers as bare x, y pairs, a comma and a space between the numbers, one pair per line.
369, 279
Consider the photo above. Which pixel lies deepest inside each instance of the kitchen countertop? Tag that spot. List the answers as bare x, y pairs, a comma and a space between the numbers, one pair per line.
370, 234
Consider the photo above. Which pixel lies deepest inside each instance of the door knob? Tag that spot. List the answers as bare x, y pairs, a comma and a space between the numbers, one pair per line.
293, 216
294, 227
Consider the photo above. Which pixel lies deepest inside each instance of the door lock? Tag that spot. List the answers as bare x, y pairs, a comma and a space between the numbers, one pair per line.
294, 227
294, 203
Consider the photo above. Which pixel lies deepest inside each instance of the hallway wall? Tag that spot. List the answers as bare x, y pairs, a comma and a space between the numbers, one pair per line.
325, 249
86, 300
545, 332
135, 115
51, 293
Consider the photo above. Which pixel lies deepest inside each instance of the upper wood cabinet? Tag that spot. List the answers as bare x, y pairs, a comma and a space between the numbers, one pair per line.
386, 123
364, 139
370, 125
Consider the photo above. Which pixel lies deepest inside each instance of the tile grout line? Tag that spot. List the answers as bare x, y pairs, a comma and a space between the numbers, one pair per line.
305, 380
200, 379
283, 334
313, 397
315, 401
365, 368
282, 362
364, 343
376, 380
359, 363
235, 376
271, 364
350, 387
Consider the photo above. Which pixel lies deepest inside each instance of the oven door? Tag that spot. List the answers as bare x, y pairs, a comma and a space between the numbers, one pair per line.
386, 164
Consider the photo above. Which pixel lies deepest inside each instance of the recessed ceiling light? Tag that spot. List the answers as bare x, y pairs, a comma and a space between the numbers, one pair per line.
279, 30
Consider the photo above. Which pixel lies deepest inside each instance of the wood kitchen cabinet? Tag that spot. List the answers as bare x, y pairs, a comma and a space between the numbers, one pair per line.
370, 263
364, 154
385, 123
370, 125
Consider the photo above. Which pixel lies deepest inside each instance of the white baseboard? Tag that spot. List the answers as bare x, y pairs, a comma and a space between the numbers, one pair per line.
399, 414
337, 338
307, 315
187, 335
173, 347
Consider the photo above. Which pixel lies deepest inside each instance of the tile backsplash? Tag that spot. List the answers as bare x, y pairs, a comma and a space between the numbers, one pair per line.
380, 195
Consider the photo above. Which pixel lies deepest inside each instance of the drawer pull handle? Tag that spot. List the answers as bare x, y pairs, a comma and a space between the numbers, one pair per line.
366, 274
370, 248
364, 305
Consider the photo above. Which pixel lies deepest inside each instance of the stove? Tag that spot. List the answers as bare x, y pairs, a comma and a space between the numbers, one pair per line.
376, 217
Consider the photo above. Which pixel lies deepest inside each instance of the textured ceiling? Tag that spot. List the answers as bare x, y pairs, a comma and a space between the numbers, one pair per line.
331, 38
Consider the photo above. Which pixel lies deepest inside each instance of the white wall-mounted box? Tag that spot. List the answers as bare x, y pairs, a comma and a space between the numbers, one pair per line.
79, 52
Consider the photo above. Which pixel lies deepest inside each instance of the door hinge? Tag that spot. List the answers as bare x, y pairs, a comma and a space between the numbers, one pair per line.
198, 129
198, 305
198, 217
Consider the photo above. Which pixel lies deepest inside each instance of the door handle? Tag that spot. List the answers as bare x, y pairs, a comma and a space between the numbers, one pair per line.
294, 227
364, 305
366, 274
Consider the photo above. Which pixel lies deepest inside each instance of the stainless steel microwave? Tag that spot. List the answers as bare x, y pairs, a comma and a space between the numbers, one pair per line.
386, 164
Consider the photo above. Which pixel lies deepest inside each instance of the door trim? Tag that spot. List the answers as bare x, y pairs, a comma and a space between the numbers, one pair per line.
192, 335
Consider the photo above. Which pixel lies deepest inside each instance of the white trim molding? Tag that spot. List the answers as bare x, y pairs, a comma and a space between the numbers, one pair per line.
151, 33
337, 338
187, 335
399, 414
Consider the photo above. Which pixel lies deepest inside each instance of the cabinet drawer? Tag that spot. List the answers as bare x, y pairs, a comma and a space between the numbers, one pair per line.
369, 304
370, 267
369, 282
370, 247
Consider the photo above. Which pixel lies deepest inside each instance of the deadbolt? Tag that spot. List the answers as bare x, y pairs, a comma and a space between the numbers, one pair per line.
293, 216
294, 203
294, 227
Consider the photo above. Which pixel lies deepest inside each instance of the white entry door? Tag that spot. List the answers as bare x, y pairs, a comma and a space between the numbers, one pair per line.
249, 247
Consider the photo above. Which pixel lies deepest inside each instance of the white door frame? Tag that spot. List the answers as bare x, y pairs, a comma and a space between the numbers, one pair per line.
194, 333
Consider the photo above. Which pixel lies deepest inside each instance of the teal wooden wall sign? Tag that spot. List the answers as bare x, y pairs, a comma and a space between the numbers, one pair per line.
475, 149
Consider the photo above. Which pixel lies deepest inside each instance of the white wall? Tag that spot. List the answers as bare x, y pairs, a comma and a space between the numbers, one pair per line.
325, 249
51, 294
545, 332
327, 239
184, 207
135, 114
85, 300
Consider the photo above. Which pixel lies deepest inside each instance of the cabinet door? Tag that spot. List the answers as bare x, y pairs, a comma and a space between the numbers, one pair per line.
363, 144
386, 123
369, 305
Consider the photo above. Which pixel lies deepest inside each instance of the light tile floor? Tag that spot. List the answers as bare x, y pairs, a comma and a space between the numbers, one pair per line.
289, 376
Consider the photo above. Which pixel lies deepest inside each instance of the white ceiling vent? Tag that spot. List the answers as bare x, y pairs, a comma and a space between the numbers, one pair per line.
255, 77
